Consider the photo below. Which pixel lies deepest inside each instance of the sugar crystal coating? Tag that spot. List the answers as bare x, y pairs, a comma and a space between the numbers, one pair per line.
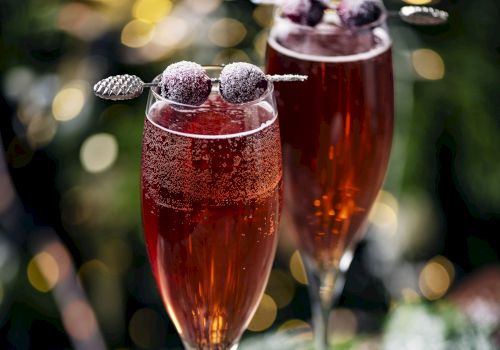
185, 82
296, 10
242, 82
358, 13
308, 12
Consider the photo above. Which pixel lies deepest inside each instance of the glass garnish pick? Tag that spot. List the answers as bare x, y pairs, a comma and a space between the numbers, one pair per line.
126, 86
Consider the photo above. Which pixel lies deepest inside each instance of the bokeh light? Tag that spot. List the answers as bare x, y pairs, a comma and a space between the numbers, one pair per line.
98, 152
153, 52
68, 103
146, 328
260, 43
231, 55
28, 111
117, 254
345, 324
151, 10
203, 7
92, 268
297, 268
16, 82
297, 331
265, 315
227, 32
384, 213
428, 64
409, 295
82, 21
173, 33
294, 324
62, 257
137, 33
280, 287
41, 131
263, 15
105, 295
43, 272
436, 277
79, 319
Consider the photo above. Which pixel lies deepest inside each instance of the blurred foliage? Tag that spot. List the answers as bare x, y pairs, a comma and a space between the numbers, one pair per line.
442, 198
411, 326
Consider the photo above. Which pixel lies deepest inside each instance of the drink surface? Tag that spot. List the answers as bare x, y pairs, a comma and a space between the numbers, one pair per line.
336, 133
211, 195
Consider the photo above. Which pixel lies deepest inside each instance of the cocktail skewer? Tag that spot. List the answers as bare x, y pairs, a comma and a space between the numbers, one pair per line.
126, 86
415, 15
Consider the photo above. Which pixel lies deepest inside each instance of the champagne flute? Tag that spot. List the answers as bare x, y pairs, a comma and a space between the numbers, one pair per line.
336, 131
211, 200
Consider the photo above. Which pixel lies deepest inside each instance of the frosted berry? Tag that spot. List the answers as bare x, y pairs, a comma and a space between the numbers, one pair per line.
358, 13
296, 10
308, 12
315, 13
185, 82
242, 82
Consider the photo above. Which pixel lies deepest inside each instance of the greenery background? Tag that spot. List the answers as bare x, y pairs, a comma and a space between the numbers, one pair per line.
73, 270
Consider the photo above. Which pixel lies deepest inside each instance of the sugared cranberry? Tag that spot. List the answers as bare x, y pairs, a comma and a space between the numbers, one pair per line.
185, 82
315, 13
242, 82
358, 13
296, 10
308, 12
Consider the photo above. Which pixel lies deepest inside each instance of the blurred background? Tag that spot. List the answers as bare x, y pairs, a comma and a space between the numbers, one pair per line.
73, 266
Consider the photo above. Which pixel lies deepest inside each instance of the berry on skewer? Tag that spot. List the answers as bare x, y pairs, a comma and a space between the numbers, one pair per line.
355, 13
187, 83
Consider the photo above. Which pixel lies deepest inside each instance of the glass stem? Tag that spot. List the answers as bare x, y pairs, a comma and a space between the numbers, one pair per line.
322, 293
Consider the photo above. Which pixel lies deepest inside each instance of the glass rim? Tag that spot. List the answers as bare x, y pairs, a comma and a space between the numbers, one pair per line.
260, 127
156, 97
384, 45
377, 28
159, 97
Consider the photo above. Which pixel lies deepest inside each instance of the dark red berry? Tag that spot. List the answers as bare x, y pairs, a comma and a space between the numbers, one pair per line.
308, 12
315, 13
242, 82
185, 82
358, 13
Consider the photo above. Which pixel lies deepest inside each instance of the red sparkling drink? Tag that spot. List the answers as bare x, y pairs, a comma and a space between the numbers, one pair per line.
336, 131
211, 198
